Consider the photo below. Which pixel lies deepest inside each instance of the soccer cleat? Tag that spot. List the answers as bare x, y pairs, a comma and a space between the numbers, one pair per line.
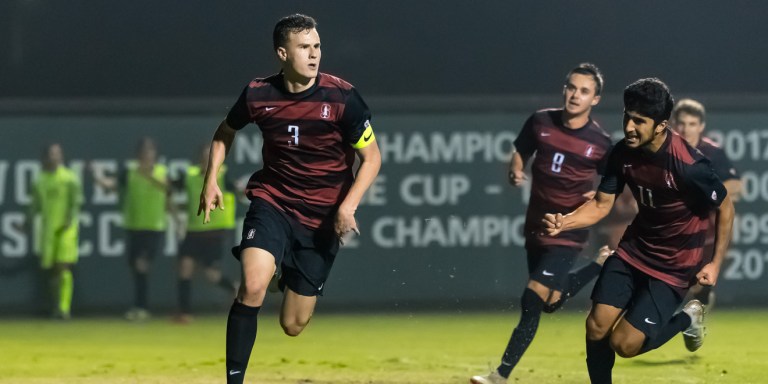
694, 335
491, 378
182, 318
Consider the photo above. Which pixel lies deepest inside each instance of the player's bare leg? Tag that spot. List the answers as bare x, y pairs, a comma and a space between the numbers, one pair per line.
296, 312
626, 340
258, 266
600, 355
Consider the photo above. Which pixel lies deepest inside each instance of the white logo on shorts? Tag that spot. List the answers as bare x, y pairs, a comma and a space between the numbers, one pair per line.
546, 273
251, 233
233, 372
647, 320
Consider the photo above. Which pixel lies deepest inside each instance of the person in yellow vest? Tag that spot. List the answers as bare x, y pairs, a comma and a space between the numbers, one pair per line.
204, 244
143, 187
57, 196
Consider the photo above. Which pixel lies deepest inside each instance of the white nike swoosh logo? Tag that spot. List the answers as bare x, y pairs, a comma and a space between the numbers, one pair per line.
269, 108
233, 372
545, 273
647, 320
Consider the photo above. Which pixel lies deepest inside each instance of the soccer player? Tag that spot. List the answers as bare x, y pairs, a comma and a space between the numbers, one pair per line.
143, 188
638, 291
570, 150
204, 244
304, 198
57, 196
689, 120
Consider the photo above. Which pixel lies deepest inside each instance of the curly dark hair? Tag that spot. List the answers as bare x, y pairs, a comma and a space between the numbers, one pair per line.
649, 97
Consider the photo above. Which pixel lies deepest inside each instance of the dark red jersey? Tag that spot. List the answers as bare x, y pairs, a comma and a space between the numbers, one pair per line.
724, 169
308, 144
564, 168
675, 189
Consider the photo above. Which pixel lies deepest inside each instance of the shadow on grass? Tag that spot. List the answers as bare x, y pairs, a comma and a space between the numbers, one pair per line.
655, 363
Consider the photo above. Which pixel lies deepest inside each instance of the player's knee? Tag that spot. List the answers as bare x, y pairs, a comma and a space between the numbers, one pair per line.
594, 330
293, 327
253, 291
623, 347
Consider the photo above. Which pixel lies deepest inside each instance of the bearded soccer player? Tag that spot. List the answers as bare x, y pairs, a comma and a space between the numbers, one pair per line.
689, 120
638, 290
570, 150
57, 196
304, 198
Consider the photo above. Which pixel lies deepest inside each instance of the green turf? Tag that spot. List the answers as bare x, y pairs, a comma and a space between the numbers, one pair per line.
342, 349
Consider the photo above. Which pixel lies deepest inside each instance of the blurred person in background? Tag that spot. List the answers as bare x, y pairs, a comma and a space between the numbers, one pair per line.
57, 196
303, 201
689, 120
570, 151
204, 244
143, 187
639, 290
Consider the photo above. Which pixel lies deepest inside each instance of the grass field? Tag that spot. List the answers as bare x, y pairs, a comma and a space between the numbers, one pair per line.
374, 349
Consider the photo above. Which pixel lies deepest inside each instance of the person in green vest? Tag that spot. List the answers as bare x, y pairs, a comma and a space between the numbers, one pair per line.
57, 196
204, 244
143, 187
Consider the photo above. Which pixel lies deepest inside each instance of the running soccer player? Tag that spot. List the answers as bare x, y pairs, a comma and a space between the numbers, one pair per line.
143, 188
57, 196
638, 291
570, 150
204, 243
689, 120
304, 198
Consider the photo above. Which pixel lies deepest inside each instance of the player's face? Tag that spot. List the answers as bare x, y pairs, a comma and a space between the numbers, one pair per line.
640, 130
148, 153
579, 94
54, 156
301, 56
689, 127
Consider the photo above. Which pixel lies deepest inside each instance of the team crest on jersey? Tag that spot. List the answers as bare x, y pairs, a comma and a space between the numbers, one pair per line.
589, 151
325, 111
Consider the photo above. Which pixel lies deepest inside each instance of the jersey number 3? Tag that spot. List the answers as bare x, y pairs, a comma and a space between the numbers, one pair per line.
294, 131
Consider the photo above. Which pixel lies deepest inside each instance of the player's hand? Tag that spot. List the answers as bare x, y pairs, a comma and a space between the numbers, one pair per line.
345, 223
517, 178
708, 275
553, 223
210, 198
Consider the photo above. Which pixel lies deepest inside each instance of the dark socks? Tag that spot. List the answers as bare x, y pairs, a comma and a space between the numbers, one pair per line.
577, 279
241, 334
600, 360
185, 293
679, 323
140, 287
522, 336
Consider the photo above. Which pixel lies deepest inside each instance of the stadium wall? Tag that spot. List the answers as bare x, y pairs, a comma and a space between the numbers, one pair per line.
441, 228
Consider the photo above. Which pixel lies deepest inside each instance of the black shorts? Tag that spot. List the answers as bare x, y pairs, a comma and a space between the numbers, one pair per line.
144, 244
303, 256
549, 265
649, 302
205, 247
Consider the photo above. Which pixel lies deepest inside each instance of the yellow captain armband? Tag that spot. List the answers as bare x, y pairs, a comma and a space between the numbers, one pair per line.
366, 138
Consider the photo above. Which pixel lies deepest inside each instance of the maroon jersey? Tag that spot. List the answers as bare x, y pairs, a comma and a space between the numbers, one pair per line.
675, 189
307, 147
565, 167
725, 170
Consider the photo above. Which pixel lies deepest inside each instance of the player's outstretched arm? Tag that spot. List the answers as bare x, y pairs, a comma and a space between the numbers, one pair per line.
723, 226
211, 196
370, 163
588, 214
